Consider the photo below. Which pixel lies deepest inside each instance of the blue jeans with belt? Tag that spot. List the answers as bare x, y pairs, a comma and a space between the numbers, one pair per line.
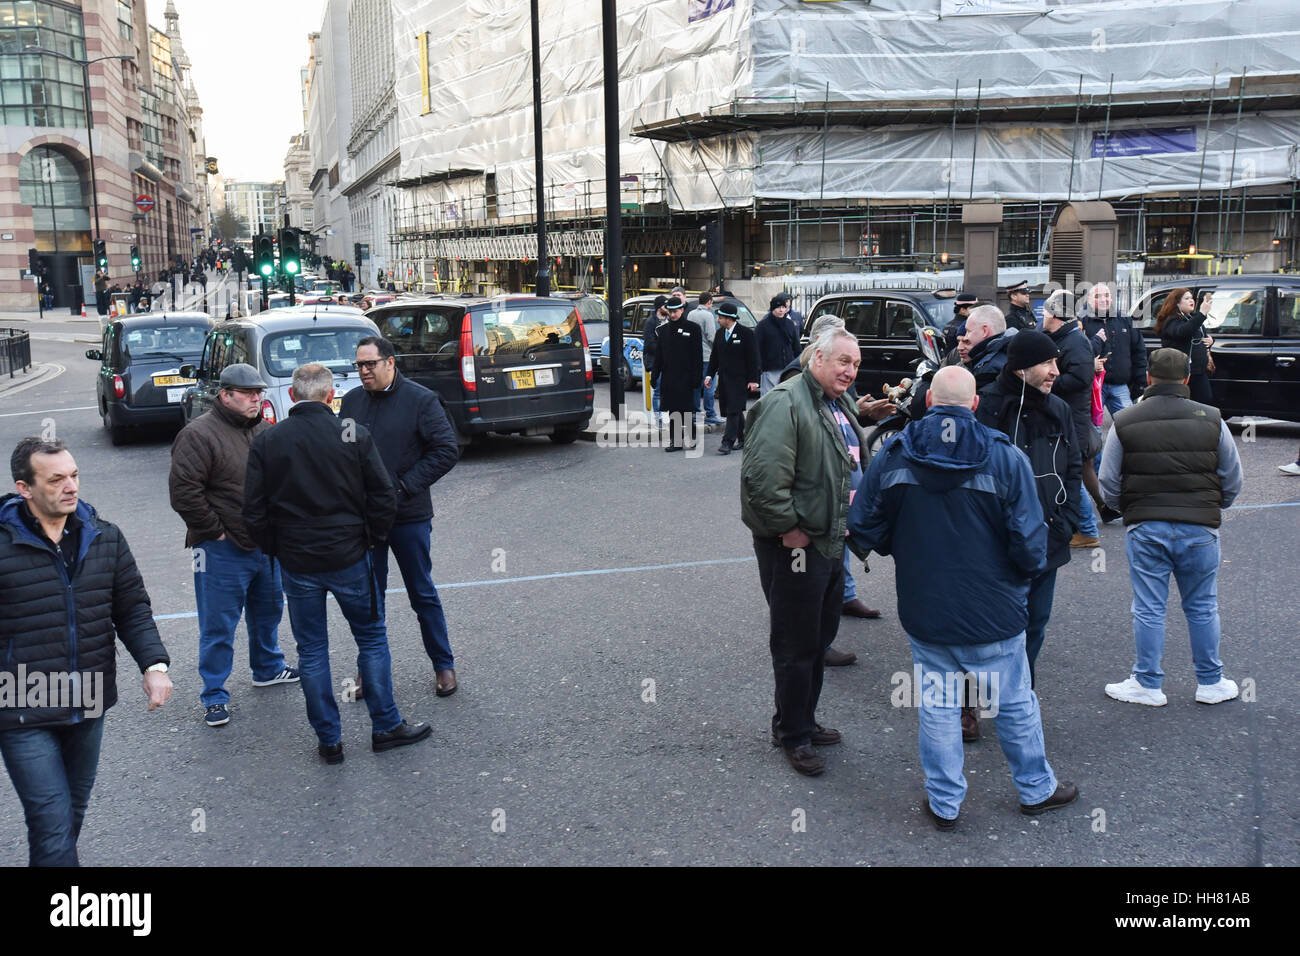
53, 770
351, 587
409, 542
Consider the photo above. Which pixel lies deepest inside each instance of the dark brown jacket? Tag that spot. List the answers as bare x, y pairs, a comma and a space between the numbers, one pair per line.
209, 462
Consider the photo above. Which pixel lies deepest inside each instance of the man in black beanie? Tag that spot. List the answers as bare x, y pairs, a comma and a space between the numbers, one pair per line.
1020, 404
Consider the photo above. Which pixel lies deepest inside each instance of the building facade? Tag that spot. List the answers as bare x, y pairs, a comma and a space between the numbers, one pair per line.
299, 206
53, 198
329, 110
256, 205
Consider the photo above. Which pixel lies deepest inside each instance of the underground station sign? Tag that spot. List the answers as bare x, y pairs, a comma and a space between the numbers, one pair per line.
144, 203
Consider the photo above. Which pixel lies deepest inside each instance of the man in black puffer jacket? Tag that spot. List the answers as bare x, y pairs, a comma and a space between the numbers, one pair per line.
1113, 337
418, 446
70, 589
1020, 404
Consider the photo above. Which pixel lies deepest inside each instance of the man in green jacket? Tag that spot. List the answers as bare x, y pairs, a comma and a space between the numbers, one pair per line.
803, 458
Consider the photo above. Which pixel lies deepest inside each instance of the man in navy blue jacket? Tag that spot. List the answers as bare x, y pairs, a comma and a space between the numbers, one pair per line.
418, 446
954, 502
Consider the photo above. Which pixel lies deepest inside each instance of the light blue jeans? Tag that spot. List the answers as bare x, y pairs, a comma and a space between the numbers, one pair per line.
1191, 553
1018, 721
850, 586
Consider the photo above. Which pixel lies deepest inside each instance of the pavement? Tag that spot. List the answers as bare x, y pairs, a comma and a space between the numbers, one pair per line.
616, 687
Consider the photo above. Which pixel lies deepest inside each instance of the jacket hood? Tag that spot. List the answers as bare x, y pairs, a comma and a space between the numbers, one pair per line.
10, 503
946, 446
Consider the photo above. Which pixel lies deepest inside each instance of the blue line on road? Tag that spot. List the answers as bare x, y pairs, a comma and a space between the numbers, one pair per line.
531, 577
1280, 504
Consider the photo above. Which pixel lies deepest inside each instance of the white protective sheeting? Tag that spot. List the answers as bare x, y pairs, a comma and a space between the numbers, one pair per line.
481, 93
710, 173
1025, 163
903, 49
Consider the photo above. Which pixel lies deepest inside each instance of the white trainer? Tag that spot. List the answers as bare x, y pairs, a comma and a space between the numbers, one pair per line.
1216, 693
1291, 468
1131, 692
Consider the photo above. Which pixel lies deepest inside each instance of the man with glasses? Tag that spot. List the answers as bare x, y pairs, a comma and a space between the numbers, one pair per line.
418, 446
232, 576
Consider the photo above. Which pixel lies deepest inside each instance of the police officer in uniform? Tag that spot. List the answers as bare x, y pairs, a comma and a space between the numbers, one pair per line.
678, 370
735, 362
1020, 315
955, 329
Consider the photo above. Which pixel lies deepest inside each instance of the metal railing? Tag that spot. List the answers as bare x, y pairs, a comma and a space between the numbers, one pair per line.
15, 351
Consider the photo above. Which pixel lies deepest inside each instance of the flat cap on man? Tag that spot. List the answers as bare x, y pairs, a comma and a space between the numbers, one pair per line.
1169, 365
240, 375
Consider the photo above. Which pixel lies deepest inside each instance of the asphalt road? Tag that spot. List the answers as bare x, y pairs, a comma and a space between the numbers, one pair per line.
573, 575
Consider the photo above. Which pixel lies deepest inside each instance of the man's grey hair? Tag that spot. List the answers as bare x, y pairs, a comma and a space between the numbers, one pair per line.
825, 342
989, 315
312, 382
1058, 305
820, 325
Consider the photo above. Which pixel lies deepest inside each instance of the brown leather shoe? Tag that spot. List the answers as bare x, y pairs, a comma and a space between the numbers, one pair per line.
834, 658
821, 737
1066, 793
804, 759
1084, 541
446, 681
970, 725
856, 608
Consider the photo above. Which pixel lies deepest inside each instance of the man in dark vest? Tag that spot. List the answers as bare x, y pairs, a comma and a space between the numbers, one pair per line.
1020, 315
677, 370
1170, 467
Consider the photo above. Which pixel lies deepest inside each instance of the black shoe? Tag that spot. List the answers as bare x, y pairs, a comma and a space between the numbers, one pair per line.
400, 736
1066, 793
1109, 514
739, 445
940, 823
673, 448
821, 737
331, 753
724, 449
804, 759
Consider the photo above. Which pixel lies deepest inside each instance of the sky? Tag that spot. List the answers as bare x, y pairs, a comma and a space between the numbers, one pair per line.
229, 43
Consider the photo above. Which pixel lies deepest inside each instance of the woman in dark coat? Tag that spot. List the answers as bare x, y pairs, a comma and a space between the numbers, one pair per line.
1180, 325
735, 361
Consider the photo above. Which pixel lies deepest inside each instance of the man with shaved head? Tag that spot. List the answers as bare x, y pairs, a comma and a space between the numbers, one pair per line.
954, 502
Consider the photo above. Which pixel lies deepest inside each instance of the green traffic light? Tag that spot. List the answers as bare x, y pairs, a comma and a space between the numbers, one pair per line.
266, 269
291, 267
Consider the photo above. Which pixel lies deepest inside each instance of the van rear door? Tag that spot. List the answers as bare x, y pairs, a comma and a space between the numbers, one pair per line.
529, 363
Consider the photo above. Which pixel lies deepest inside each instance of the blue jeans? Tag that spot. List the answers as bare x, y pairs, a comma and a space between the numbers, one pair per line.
305, 595
1087, 515
704, 395
850, 586
53, 769
1116, 398
1018, 721
1191, 553
409, 542
1041, 591
230, 582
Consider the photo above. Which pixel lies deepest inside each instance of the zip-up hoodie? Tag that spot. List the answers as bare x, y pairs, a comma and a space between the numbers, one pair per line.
954, 502
59, 624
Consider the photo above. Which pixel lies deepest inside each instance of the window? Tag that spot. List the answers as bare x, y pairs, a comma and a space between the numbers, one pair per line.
49, 182
1288, 314
179, 342
901, 320
1235, 310
861, 315
37, 90
334, 348
535, 327
124, 27
1169, 234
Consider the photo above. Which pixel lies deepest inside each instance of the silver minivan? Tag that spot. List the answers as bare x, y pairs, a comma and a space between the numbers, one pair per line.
275, 343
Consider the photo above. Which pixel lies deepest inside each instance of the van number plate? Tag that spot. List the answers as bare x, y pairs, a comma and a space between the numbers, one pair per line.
531, 378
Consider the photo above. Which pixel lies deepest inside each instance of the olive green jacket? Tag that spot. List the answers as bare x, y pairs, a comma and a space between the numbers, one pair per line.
796, 469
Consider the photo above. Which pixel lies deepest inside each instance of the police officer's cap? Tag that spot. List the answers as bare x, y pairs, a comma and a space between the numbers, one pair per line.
728, 310
966, 298
241, 376
1021, 286
674, 303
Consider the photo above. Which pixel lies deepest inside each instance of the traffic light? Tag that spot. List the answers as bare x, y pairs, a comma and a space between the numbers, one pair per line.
711, 243
237, 260
290, 254
356, 253
135, 258
34, 263
101, 254
263, 255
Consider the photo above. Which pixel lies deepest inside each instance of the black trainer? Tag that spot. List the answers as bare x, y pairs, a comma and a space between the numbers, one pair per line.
331, 753
941, 823
399, 736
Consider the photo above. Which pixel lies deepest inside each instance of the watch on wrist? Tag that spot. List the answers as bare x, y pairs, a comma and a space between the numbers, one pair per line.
160, 667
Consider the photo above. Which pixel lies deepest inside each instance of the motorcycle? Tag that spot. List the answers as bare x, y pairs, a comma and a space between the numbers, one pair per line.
929, 341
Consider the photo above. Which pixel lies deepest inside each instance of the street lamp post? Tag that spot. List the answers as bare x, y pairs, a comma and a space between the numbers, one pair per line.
90, 119
543, 258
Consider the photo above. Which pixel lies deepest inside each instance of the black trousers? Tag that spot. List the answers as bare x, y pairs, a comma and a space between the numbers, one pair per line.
805, 595
735, 430
1201, 390
681, 428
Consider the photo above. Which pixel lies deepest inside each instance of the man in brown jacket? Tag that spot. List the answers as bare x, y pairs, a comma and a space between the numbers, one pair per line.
231, 574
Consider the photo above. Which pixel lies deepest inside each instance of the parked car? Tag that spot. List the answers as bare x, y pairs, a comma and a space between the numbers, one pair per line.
141, 379
276, 343
1255, 322
886, 322
639, 308
594, 312
513, 364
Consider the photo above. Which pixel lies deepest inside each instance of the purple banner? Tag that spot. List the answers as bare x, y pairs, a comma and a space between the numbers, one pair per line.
699, 9
1144, 142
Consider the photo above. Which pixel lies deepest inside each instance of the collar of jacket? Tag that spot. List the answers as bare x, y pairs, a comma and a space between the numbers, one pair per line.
1176, 389
992, 344
11, 506
393, 386
1066, 328
310, 408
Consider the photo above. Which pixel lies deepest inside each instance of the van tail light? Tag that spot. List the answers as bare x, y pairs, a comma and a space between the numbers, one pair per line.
268, 411
119, 387
467, 378
586, 354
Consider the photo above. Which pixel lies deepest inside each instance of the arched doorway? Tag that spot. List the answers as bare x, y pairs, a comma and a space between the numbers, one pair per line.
50, 182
